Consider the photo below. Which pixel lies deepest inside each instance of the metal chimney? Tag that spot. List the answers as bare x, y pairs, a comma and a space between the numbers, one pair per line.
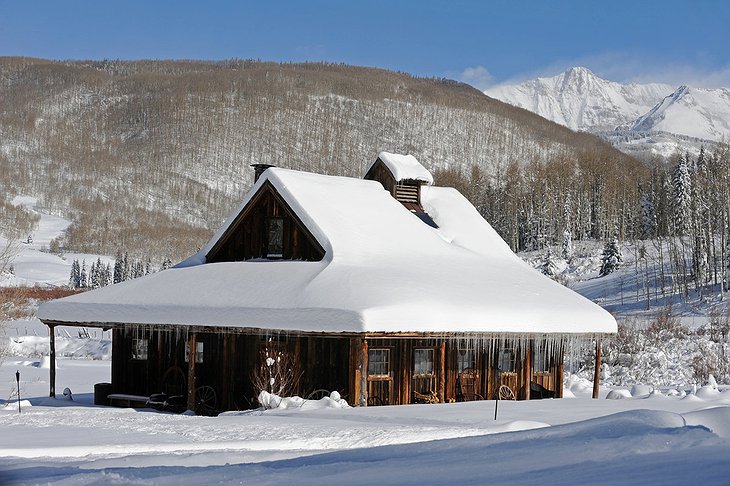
258, 170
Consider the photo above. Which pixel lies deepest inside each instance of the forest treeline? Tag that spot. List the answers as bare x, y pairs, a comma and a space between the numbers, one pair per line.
675, 213
150, 156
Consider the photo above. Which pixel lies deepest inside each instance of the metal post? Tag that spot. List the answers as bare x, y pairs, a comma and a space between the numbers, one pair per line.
496, 402
52, 331
17, 379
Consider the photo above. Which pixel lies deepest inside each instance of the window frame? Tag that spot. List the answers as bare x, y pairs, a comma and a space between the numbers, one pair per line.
140, 349
279, 234
385, 352
199, 352
429, 352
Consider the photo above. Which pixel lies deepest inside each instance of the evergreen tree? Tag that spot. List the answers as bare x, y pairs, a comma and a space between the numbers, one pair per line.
567, 246
107, 275
148, 266
166, 263
548, 266
611, 258
648, 216
75, 278
682, 197
118, 268
125, 267
83, 279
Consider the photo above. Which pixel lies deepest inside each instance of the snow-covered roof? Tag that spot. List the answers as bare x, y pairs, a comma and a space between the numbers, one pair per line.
384, 270
404, 167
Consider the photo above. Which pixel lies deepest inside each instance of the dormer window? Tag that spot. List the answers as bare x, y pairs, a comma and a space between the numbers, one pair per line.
275, 242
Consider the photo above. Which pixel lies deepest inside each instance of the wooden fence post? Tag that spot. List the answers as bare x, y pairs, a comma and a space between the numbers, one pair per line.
364, 374
442, 372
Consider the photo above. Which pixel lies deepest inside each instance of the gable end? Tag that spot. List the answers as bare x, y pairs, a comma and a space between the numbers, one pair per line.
266, 228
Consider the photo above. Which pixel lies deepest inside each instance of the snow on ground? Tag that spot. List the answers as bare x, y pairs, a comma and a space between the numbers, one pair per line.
654, 440
33, 264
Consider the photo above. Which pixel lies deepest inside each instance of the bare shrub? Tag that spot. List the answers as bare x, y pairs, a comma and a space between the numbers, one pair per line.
277, 372
712, 359
665, 326
624, 345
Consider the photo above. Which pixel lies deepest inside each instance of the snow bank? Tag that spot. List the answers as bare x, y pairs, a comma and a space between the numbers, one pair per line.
272, 401
618, 394
12, 406
717, 419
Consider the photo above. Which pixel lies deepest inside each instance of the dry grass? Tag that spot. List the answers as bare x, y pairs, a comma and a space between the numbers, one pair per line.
17, 302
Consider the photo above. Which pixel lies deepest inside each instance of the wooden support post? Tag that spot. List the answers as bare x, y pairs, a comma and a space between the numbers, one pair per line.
559, 371
597, 370
442, 372
52, 334
191, 371
364, 374
528, 370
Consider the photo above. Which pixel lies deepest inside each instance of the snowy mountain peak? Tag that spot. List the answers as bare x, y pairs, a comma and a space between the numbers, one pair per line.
579, 99
695, 112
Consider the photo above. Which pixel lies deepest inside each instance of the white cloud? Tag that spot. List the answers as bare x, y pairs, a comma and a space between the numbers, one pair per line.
628, 68
477, 76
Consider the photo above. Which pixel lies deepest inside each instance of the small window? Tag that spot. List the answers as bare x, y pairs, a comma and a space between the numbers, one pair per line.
139, 349
275, 231
379, 362
198, 352
423, 361
466, 359
540, 359
506, 360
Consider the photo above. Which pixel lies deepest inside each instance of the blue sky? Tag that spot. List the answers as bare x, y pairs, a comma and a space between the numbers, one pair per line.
479, 42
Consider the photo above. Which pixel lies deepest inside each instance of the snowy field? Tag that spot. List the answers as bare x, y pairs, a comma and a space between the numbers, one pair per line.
654, 439
672, 435
33, 264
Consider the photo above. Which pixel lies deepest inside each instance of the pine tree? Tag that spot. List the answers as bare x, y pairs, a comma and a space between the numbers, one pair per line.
166, 263
648, 216
107, 275
148, 266
548, 266
567, 246
682, 197
125, 267
611, 258
118, 268
75, 278
83, 279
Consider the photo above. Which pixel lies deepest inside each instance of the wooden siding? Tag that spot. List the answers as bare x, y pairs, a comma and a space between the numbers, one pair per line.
329, 363
247, 237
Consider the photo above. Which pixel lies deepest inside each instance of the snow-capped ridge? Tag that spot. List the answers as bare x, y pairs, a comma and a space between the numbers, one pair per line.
581, 100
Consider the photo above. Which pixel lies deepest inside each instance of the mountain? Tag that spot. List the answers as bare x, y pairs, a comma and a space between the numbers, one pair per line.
150, 156
695, 112
655, 117
580, 100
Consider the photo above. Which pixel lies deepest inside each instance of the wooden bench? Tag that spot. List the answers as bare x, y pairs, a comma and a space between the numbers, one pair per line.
130, 401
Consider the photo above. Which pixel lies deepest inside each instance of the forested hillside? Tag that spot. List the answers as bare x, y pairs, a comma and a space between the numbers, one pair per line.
150, 156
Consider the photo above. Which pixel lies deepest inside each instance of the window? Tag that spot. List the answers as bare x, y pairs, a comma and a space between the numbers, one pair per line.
506, 359
198, 352
275, 232
423, 361
139, 348
540, 359
379, 362
466, 359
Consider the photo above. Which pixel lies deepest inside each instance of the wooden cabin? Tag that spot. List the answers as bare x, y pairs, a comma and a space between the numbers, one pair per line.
386, 289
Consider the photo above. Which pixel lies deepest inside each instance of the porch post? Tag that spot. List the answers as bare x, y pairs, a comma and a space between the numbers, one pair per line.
364, 374
191, 372
528, 369
442, 372
52, 335
597, 370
